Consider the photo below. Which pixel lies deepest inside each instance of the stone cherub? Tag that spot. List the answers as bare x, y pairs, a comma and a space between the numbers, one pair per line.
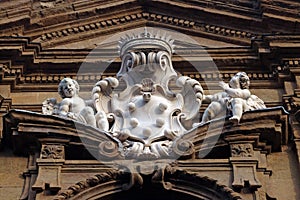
72, 105
235, 98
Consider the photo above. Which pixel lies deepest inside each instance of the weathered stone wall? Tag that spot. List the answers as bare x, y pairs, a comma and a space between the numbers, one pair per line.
284, 182
11, 170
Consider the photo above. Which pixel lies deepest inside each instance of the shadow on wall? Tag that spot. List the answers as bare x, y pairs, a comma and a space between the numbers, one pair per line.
284, 182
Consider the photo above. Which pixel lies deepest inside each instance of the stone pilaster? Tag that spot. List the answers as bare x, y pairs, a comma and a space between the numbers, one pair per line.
244, 166
52, 157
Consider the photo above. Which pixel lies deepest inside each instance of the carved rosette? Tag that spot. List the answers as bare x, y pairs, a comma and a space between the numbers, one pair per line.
52, 151
241, 150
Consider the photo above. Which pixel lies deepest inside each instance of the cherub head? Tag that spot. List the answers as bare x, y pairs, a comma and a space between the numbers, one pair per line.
240, 80
68, 88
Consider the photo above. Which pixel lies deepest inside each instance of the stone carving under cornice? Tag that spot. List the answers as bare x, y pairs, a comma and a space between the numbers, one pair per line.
254, 139
55, 78
241, 150
286, 69
227, 32
52, 151
7, 72
149, 16
293, 62
227, 75
114, 21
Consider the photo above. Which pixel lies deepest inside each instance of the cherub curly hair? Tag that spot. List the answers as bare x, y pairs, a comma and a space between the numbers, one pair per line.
63, 82
244, 80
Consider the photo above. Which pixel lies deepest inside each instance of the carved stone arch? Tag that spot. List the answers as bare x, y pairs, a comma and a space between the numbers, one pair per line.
199, 186
170, 183
103, 184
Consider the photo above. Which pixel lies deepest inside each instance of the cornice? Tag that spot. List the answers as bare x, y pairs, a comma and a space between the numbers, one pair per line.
68, 20
27, 67
268, 133
84, 31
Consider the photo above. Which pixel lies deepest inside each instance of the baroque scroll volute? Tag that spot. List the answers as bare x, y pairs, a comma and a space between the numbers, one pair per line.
147, 117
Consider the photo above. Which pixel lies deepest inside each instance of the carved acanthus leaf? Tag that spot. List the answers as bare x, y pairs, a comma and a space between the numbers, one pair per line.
241, 150
52, 151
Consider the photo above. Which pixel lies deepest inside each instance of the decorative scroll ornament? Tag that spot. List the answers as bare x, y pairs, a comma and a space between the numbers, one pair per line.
147, 117
146, 120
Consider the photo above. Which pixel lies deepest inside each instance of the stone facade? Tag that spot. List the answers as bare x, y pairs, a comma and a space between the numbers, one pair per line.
45, 156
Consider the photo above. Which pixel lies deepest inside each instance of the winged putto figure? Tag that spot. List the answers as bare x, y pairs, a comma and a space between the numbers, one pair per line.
235, 98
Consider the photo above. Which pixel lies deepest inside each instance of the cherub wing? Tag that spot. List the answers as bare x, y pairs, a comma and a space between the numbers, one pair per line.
255, 103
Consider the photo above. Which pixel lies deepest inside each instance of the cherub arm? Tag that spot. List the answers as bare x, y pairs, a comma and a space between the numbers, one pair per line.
64, 109
207, 98
235, 92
